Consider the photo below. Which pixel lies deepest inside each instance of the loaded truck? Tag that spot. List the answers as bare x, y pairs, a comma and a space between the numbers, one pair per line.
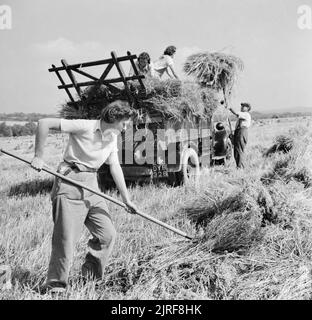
154, 147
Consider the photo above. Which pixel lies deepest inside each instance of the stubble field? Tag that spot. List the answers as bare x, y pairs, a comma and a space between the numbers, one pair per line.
251, 227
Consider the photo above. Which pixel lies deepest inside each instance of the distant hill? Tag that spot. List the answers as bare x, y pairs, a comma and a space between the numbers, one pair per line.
278, 113
282, 113
288, 110
25, 117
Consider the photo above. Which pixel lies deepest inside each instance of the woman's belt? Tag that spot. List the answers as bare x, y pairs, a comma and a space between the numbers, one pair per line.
78, 166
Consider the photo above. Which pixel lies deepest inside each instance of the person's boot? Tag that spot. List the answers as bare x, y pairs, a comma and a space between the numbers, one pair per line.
90, 269
53, 287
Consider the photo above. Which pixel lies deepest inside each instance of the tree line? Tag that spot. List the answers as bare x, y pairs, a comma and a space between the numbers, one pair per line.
30, 127
17, 130
21, 116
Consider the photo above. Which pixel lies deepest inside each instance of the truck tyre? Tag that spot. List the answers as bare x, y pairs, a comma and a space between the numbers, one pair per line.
190, 169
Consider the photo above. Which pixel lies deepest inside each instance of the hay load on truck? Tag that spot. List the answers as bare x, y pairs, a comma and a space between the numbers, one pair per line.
173, 135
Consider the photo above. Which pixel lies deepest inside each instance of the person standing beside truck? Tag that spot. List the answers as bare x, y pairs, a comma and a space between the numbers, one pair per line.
90, 144
241, 133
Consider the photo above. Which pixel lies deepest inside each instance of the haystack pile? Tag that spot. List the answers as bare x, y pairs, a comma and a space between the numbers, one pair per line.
231, 232
174, 99
281, 143
292, 160
215, 70
179, 99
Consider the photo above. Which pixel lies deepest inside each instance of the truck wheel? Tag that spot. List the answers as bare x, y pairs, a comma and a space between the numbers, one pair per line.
190, 169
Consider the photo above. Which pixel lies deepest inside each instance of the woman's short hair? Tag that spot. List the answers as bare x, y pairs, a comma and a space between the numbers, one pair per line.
117, 111
247, 105
145, 56
170, 50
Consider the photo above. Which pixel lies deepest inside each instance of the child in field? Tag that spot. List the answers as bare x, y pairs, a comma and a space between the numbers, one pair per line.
91, 143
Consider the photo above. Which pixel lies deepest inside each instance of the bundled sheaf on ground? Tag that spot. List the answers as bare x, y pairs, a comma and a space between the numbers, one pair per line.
174, 99
253, 241
292, 160
282, 143
228, 230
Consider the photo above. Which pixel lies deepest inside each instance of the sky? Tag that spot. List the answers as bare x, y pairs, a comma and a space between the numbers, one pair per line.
277, 54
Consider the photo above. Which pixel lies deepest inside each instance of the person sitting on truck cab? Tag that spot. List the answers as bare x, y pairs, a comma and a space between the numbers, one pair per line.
165, 62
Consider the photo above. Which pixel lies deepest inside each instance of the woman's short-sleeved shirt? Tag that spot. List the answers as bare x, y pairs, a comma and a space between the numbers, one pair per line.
87, 144
162, 64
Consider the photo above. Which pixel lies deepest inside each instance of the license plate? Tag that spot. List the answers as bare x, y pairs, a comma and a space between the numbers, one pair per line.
160, 171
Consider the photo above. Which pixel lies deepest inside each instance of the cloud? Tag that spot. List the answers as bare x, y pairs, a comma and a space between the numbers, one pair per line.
51, 52
64, 48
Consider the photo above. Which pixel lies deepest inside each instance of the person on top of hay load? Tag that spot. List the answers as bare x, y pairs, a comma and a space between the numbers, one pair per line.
91, 143
241, 133
143, 65
165, 62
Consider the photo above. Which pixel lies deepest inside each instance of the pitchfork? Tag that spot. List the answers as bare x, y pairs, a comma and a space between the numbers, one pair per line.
75, 183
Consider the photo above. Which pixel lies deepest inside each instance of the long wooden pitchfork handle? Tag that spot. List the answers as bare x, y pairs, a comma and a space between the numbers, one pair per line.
46, 169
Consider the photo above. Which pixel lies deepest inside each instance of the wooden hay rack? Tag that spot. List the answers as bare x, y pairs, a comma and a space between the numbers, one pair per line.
95, 81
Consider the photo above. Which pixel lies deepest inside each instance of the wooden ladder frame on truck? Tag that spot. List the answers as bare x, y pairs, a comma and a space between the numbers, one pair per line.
97, 82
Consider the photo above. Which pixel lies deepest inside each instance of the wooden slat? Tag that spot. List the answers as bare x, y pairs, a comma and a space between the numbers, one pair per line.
112, 87
105, 82
142, 91
71, 77
85, 74
135, 69
100, 81
122, 76
63, 83
90, 64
